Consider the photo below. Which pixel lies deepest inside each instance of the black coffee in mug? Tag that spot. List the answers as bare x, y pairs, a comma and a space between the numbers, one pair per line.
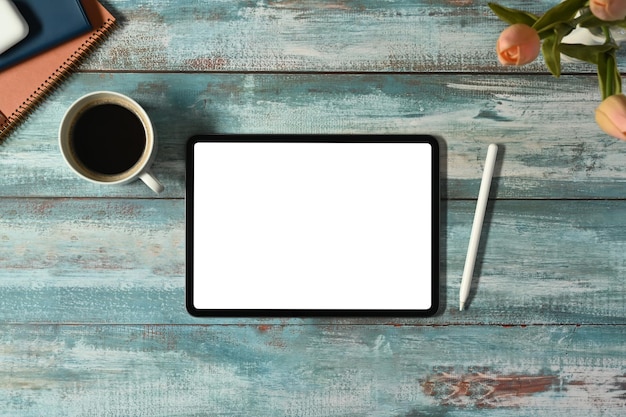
108, 138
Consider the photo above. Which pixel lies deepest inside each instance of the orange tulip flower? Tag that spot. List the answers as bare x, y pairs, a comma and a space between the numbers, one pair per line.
611, 116
608, 10
518, 44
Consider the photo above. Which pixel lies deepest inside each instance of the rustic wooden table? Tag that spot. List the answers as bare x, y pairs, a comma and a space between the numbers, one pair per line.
92, 316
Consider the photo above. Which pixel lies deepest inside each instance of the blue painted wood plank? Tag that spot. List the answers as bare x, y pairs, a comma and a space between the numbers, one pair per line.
525, 116
123, 261
286, 36
286, 370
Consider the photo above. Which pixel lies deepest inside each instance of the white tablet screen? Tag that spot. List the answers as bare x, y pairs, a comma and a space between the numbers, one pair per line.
316, 226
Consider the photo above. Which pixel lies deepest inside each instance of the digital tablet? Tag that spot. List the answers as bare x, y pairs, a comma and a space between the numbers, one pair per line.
314, 225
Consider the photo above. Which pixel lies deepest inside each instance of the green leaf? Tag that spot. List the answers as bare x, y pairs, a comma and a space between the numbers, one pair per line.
587, 53
602, 75
610, 75
591, 22
562, 12
513, 16
619, 23
609, 78
616, 85
618, 82
588, 20
551, 55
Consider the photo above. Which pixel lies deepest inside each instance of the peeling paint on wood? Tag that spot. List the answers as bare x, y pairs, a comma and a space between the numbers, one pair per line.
466, 112
123, 261
310, 370
345, 36
484, 390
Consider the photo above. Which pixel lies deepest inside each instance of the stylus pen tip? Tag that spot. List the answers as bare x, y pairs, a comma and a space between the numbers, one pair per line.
462, 307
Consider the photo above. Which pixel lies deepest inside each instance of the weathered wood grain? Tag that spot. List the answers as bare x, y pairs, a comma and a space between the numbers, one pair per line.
277, 370
311, 35
122, 261
550, 145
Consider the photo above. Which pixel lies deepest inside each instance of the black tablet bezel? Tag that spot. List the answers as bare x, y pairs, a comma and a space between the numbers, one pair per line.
323, 138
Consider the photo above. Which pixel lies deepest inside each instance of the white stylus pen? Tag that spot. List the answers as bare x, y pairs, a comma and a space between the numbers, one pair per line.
479, 216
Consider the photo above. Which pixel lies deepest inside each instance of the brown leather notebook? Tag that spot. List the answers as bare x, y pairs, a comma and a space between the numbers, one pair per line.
25, 85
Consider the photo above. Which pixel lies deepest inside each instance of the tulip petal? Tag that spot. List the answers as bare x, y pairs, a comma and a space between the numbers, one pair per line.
607, 126
518, 44
611, 116
608, 10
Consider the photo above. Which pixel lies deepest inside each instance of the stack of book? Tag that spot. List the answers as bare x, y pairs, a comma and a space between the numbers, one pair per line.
61, 33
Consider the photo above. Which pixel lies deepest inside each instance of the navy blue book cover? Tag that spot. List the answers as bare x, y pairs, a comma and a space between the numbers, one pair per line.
50, 22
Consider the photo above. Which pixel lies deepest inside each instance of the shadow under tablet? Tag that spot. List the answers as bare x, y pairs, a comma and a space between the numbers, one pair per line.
312, 225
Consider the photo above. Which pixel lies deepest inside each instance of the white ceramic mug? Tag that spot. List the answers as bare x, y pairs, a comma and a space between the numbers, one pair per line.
94, 138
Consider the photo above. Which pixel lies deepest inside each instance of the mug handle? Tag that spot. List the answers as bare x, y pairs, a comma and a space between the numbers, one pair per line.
150, 180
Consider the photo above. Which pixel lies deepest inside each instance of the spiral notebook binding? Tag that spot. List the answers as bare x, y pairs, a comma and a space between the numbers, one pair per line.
7, 124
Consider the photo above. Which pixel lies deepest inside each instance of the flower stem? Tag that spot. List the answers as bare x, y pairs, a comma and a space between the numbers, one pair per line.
610, 77
607, 34
585, 15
